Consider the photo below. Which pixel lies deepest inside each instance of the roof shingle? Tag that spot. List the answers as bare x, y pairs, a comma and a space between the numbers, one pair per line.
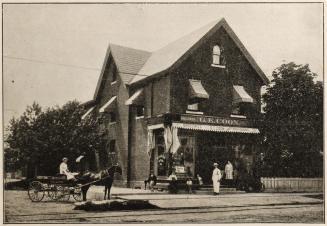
128, 60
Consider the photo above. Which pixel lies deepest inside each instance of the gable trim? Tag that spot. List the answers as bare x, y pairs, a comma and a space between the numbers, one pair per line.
100, 80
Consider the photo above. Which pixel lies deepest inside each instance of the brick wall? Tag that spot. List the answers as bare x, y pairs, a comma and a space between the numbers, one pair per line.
161, 95
218, 82
140, 160
118, 130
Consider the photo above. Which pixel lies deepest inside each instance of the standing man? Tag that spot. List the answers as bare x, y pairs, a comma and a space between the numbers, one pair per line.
229, 173
216, 177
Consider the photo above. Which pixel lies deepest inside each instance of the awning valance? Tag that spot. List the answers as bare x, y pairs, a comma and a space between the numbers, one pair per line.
215, 128
196, 91
88, 112
156, 126
240, 95
136, 99
109, 104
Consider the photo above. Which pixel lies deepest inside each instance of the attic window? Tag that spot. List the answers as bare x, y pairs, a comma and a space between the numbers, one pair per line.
217, 57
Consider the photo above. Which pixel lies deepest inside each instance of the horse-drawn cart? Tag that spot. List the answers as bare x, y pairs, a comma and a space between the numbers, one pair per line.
57, 188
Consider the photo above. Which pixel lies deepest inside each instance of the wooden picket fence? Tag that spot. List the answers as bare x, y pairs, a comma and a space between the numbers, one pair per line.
293, 184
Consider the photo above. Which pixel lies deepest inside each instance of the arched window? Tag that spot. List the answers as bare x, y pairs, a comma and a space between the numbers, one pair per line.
216, 52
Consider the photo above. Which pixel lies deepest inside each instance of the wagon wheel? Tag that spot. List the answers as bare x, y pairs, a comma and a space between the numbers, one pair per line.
53, 192
35, 191
78, 194
63, 193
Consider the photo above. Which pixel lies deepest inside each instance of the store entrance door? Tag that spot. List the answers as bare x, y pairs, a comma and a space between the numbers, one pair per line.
212, 148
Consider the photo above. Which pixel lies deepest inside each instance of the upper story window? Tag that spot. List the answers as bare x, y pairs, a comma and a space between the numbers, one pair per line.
139, 111
241, 99
216, 55
217, 58
196, 94
112, 117
193, 107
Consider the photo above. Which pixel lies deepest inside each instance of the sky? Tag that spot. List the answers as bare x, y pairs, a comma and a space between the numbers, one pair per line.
53, 53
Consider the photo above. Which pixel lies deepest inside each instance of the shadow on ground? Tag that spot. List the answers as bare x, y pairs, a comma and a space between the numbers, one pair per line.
115, 205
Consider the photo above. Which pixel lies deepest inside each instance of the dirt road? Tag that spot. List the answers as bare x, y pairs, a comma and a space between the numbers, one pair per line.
19, 209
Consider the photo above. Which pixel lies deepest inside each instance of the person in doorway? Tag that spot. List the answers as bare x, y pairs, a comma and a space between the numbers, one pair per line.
229, 173
216, 177
172, 182
199, 179
63, 169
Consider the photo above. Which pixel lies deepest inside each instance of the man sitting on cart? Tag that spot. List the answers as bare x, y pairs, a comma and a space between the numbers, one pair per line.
63, 169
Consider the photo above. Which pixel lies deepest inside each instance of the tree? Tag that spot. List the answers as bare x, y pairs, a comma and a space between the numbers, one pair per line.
293, 122
43, 138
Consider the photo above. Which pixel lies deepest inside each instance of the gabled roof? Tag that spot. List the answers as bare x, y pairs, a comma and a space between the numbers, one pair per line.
128, 62
136, 65
163, 58
167, 56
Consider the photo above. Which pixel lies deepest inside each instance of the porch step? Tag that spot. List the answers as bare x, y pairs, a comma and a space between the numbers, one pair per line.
203, 189
222, 191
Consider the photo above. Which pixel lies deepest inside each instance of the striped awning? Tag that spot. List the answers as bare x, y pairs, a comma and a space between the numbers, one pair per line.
88, 112
215, 128
240, 95
136, 99
196, 91
108, 105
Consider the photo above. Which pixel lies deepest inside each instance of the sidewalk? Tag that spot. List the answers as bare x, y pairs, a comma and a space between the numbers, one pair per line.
97, 192
165, 200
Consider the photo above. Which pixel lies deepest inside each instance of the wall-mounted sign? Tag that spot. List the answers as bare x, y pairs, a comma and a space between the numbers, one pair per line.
180, 169
214, 120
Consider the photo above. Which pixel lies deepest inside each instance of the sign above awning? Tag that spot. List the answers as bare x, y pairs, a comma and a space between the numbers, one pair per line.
196, 91
240, 95
136, 99
214, 128
109, 104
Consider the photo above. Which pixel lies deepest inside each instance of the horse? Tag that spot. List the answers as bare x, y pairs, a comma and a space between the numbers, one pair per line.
104, 178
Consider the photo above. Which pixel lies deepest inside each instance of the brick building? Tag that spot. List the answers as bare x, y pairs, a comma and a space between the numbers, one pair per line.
180, 108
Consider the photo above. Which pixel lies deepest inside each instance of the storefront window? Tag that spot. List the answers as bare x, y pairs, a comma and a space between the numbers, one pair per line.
183, 159
161, 155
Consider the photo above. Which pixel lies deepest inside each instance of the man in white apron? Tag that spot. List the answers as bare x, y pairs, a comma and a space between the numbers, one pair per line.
216, 176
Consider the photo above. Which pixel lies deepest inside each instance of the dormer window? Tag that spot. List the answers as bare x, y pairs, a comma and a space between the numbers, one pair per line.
217, 57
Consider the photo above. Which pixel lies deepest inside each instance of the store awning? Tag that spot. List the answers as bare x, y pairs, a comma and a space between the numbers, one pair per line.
109, 104
240, 95
196, 91
136, 99
214, 128
88, 112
